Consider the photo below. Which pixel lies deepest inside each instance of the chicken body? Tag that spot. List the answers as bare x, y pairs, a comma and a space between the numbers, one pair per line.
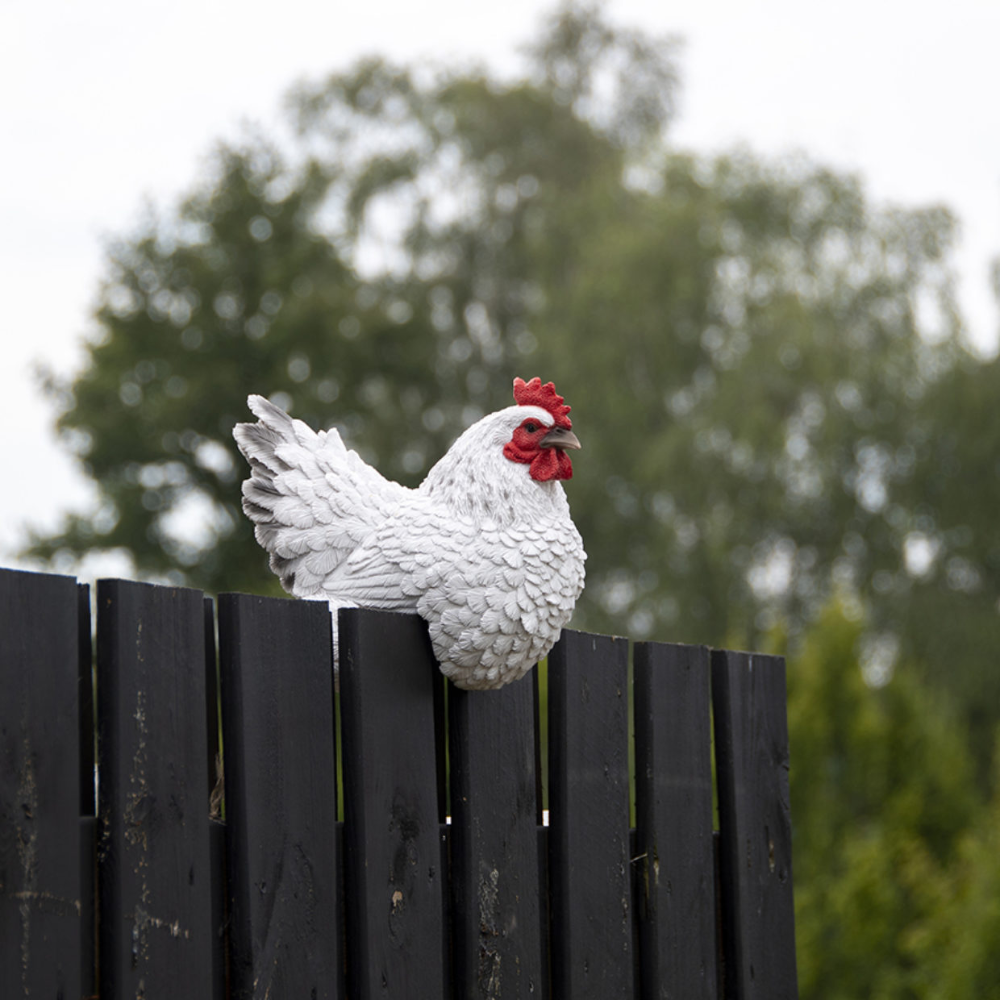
484, 549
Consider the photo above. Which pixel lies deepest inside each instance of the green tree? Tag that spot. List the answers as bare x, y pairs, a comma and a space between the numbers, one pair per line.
766, 371
883, 805
962, 941
277, 275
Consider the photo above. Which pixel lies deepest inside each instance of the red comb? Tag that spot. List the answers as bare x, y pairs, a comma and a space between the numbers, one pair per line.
533, 393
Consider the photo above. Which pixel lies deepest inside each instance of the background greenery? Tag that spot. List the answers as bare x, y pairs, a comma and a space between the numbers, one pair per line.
786, 442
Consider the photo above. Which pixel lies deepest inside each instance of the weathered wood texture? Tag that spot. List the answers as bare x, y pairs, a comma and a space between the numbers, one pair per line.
751, 750
281, 795
393, 879
40, 899
154, 871
589, 876
88, 792
261, 892
495, 803
673, 846
85, 702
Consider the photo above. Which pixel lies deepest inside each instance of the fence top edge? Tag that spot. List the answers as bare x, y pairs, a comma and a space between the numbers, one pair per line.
753, 657
102, 584
229, 595
15, 571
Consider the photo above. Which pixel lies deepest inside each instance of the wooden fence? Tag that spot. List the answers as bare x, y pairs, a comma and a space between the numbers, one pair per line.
429, 871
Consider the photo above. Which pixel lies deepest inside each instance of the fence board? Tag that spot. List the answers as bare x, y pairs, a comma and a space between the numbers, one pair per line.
88, 793
755, 864
589, 876
280, 797
85, 702
40, 900
394, 880
673, 847
153, 856
495, 866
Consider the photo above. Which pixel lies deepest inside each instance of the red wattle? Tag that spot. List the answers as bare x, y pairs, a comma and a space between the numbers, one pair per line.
551, 463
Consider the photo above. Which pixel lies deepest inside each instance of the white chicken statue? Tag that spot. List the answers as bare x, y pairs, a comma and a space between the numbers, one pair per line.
484, 549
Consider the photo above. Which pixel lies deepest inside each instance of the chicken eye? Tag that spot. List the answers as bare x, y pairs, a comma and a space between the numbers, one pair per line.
531, 427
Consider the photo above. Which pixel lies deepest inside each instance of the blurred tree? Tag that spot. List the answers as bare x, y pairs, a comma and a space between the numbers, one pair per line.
962, 942
785, 409
766, 371
890, 834
239, 292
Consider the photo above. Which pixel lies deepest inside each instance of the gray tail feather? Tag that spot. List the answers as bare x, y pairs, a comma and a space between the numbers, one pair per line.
259, 442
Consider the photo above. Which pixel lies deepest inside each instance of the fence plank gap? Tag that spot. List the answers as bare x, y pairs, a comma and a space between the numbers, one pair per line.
40, 879
589, 877
216, 804
213, 758
281, 795
755, 860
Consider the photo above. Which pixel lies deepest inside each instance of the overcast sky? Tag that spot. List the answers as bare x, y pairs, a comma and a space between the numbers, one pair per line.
108, 105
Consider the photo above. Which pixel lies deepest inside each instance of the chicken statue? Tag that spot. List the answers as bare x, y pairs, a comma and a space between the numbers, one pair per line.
484, 549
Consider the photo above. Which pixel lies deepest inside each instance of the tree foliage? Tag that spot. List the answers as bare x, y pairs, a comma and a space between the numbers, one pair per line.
963, 940
895, 862
767, 370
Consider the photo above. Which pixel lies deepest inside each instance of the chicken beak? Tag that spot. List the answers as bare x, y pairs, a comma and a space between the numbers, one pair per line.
559, 437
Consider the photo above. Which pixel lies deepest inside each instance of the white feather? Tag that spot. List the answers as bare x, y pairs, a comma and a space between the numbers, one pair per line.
488, 556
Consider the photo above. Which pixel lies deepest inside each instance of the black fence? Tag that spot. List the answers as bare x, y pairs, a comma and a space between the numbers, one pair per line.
386, 840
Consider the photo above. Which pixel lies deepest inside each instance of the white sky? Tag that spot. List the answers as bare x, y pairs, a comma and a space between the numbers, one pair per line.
108, 104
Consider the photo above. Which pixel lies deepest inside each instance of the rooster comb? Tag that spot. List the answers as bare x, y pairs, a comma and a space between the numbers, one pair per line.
533, 393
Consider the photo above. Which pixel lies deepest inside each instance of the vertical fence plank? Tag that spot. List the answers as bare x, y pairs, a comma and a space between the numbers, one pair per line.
88, 794
495, 866
40, 901
674, 852
280, 797
153, 856
394, 882
85, 701
751, 749
589, 873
